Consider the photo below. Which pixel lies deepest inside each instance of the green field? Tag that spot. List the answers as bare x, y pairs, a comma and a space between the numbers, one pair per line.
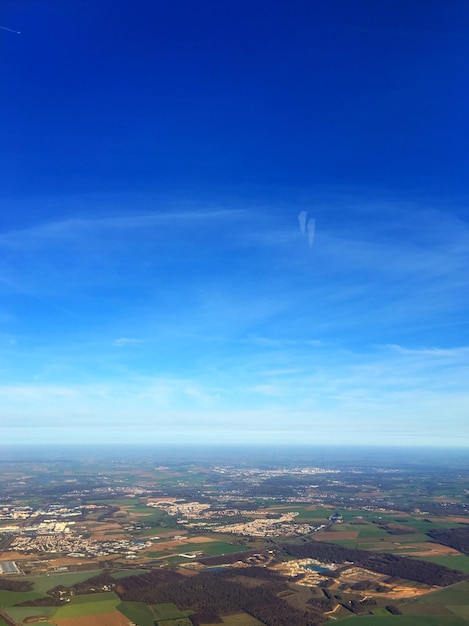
128, 572
458, 561
140, 509
138, 612
214, 548
10, 598
20, 613
455, 595
149, 532
367, 531
319, 515
374, 538
148, 516
89, 604
425, 526
67, 579
168, 611
462, 611
367, 516
413, 608
90, 608
85, 598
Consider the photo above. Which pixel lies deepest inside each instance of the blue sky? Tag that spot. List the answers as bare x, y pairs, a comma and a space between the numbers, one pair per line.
155, 282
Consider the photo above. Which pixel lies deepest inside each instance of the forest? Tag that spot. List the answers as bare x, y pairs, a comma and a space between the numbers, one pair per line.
13, 584
211, 595
457, 538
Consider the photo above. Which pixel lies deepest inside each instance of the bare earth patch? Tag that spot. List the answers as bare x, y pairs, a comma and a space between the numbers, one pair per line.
14, 556
434, 549
407, 592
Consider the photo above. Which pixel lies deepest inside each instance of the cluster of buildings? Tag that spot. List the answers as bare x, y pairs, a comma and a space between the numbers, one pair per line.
254, 475
282, 526
52, 530
173, 506
75, 545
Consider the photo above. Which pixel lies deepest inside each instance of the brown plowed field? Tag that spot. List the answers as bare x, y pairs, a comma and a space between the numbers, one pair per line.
103, 619
433, 549
14, 556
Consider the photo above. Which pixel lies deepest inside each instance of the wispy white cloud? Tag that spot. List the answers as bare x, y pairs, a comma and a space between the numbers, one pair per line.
127, 341
456, 353
76, 227
238, 319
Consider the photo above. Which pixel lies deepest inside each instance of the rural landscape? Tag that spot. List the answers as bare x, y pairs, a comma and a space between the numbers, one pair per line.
236, 537
234, 313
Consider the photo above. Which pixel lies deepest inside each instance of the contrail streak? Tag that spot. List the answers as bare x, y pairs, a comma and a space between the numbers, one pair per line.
17, 32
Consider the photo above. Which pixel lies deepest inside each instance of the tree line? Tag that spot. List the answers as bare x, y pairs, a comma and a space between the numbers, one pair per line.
457, 538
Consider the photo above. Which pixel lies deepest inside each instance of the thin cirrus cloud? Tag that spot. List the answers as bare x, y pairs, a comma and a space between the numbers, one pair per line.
121, 342
226, 317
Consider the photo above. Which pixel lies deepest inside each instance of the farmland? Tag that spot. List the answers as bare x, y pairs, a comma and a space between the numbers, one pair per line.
201, 541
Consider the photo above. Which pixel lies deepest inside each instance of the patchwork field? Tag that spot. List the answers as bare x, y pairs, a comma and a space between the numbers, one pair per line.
237, 491
446, 607
88, 604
